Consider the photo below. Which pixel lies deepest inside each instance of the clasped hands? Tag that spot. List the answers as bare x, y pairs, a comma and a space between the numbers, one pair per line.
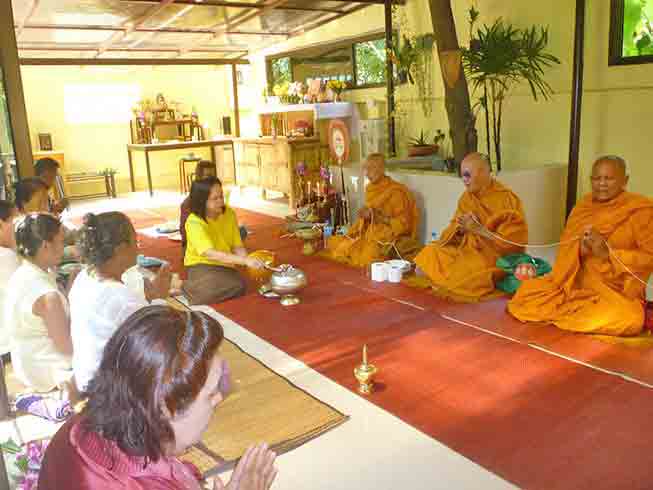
469, 223
593, 243
373, 214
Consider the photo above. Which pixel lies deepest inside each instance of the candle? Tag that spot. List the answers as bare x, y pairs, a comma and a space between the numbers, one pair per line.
365, 354
308, 187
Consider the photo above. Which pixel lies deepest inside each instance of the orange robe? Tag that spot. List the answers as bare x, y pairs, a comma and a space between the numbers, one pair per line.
590, 294
463, 268
368, 242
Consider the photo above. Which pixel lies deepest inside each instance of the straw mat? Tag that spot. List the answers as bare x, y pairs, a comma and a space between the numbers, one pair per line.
262, 406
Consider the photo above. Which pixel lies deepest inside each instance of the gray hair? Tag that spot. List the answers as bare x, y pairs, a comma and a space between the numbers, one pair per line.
614, 159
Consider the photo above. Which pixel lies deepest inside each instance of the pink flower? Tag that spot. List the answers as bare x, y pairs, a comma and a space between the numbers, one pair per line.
324, 173
30, 481
301, 169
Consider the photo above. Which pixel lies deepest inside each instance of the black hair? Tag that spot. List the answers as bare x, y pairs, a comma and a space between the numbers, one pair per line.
6, 209
25, 189
158, 358
199, 194
202, 167
42, 165
101, 234
33, 230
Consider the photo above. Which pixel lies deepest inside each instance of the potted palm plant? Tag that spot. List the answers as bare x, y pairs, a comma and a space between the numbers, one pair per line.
501, 56
421, 145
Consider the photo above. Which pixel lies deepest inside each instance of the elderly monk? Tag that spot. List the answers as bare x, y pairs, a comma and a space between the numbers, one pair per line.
589, 289
461, 265
386, 225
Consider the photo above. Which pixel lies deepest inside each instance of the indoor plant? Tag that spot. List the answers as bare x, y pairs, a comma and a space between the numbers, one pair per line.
421, 145
499, 57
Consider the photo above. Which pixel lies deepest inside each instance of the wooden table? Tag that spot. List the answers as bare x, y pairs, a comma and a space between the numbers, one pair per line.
180, 145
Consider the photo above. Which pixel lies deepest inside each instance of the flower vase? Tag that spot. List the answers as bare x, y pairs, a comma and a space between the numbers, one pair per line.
336, 97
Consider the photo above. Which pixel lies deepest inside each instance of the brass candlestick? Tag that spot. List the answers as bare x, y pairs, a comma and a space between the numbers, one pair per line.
365, 374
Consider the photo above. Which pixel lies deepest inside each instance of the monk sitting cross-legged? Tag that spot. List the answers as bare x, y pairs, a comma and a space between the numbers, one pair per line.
589, 289
461, 265
386, 225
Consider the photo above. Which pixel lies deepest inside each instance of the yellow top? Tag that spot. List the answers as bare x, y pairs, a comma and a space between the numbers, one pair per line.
219, 234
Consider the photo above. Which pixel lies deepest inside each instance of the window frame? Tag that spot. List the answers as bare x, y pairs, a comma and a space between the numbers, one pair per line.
341, 43
615, 47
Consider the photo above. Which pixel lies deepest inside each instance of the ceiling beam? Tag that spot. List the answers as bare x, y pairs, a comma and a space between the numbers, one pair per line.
162, 30
30, 12
130, 61
223, 3
80, 47
129, 25
320, 22
240, 19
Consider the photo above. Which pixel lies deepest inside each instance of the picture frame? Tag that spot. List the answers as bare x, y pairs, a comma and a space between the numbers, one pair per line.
45, 142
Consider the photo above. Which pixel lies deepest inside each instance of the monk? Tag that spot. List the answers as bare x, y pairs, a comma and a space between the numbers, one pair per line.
386, 225
589, 289
461, 265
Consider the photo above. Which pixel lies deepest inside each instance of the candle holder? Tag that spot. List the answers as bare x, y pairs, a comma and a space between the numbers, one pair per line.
365, 373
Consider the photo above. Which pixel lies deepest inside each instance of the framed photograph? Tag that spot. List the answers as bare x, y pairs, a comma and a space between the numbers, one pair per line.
45, 141
631, 32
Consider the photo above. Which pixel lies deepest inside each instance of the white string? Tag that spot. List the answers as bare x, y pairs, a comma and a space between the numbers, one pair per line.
611, 252
524, 245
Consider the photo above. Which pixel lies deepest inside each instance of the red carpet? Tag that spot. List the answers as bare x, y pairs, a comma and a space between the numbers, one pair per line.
536, 420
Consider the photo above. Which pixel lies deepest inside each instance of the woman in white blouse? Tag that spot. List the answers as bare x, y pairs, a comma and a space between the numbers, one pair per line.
35, 310
99, 299
8, 264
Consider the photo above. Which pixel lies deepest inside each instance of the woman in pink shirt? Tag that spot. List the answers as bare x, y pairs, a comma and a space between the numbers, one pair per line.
152, 397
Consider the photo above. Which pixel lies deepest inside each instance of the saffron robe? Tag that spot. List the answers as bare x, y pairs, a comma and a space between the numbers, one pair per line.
368, 242
591, 294
463, 267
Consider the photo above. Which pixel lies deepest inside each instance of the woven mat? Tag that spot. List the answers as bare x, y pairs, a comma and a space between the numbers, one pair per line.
263, 406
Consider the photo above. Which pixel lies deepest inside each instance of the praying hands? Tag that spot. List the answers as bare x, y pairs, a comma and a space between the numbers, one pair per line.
593, 243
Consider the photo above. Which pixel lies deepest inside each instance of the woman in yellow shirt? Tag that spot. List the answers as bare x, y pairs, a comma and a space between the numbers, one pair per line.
214, 247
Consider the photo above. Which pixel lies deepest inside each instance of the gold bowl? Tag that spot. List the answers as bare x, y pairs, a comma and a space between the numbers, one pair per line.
261, 275
309, 235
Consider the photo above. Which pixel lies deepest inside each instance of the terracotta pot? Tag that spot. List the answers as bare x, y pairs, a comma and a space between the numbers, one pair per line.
422, 151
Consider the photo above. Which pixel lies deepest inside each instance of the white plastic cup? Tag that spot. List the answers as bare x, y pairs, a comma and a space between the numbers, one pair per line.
394, 274
379, 272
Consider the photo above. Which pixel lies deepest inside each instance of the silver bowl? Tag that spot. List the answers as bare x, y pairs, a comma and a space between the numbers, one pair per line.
286, 281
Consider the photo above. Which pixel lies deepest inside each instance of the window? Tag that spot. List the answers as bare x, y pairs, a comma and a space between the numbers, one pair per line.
370, 62
631, 32
280, 71
360, 62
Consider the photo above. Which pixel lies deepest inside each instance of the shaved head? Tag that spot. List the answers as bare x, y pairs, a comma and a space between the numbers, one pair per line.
374, 167
619, 163
476, 172
609, 178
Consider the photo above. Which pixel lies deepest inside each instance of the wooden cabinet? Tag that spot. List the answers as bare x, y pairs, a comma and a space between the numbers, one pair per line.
270, 163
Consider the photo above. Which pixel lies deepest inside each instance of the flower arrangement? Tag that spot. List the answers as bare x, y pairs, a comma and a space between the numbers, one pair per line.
336, 86
28, 460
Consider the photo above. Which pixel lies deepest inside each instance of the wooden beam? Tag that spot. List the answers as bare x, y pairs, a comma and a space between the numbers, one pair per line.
390, 83
130, 61
320, 22
222, 3
240, 19
14, 91
576, 105
234, 77
129, 25
92, 47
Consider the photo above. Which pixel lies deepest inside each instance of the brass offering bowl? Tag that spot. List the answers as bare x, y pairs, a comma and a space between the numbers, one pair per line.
309, 235
286, 280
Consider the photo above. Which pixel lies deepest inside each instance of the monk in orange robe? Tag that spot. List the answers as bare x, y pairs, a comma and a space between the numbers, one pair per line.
386, 226
461, 265
589, 289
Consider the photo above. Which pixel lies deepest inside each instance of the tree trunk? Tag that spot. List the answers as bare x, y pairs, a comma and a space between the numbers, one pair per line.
461, 118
